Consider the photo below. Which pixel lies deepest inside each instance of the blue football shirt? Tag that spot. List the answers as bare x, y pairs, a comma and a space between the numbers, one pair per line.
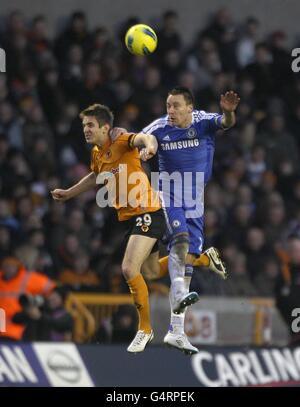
188, 149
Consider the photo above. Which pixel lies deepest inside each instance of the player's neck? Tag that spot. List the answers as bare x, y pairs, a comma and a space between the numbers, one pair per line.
103, 139
187, 122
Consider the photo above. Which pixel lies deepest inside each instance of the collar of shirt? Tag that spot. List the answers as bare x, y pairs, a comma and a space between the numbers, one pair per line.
103, 149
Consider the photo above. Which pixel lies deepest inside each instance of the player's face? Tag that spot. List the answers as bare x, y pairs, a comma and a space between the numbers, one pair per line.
179, 111
93, 133
9, 270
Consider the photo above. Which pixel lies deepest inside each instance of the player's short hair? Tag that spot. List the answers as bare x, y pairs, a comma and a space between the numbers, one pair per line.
102, 114
185, 92
170, 14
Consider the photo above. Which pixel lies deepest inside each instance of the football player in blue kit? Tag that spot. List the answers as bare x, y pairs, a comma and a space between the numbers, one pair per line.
186, 144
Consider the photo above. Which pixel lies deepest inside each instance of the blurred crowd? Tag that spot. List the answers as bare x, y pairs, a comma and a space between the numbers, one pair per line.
252, 201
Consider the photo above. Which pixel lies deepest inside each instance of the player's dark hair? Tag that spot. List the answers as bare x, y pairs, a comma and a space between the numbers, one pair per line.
78, 15
170, 14
102, 114
185, 92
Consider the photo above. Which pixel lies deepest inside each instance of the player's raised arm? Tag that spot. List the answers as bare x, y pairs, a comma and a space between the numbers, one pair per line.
149, 142
86, 183
229, 102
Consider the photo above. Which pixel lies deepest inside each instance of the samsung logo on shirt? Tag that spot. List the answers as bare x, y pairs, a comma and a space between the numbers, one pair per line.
179, 145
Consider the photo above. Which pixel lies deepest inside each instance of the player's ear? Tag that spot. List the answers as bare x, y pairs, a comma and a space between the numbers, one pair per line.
190, 108
106, 127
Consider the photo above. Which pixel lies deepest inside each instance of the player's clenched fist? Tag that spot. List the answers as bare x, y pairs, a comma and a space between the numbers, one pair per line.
147, 153
60, 194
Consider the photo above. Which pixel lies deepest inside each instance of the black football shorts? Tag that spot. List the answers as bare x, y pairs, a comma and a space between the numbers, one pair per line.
150, 224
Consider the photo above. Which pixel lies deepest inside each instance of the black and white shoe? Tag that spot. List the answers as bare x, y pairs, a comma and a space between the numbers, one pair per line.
215, 262
188, 299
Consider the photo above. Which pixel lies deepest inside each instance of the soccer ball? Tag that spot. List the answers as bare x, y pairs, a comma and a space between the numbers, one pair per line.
140, 39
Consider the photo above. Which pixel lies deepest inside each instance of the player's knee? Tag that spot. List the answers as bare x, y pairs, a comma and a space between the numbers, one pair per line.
182, 239
129, 270
179, 249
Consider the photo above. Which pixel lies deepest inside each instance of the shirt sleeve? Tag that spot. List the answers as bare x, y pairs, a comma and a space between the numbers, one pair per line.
39, 284
155, 125
214, 121
125, 140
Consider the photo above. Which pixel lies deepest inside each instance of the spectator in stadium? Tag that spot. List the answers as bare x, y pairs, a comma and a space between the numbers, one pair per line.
34, 253
169, 34
75, 223
221, 22
80, 277
7, 218
120, 328
256, 251
276, 223
10, 126
212, 227
5, 242
76, 32
67, 251
45, 320
15, 280
241, 221
240, 284
256, 165
123, 324
278, 142
246, 44
261, 71
266, 280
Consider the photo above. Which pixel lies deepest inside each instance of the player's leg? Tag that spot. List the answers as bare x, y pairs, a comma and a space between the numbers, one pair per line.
151, 267
176, 336
146, 229
180, 298
178, 249
195, 227
209, 258
137, 250
158, 268
196, 235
